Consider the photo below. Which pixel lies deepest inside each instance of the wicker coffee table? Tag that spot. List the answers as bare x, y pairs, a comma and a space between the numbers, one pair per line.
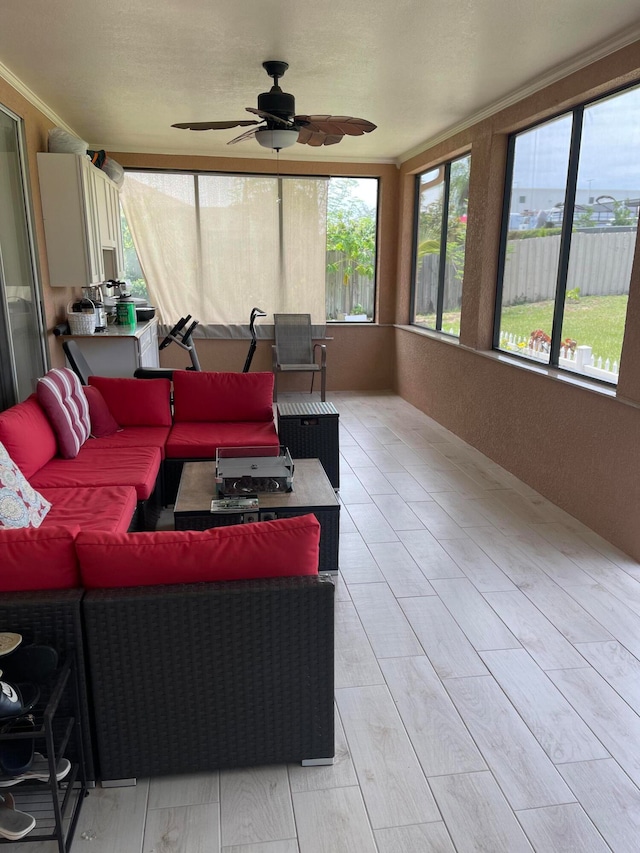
312, 492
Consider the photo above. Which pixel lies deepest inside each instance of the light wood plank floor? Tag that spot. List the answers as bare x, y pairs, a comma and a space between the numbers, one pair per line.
487, 677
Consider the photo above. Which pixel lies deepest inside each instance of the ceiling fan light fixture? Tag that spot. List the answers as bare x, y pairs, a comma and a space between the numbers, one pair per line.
277, 139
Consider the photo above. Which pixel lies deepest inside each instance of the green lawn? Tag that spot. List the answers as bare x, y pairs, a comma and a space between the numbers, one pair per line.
594, 320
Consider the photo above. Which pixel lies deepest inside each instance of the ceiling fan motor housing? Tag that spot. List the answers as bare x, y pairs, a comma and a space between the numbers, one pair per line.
277, 102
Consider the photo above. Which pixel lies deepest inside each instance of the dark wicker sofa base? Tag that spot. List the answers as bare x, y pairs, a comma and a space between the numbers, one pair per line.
198, 677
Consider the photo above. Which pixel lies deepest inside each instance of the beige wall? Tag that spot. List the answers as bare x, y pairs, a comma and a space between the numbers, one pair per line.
36, 126
358, 357
578, 447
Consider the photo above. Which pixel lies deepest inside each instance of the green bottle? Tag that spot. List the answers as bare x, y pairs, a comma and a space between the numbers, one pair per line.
126, 312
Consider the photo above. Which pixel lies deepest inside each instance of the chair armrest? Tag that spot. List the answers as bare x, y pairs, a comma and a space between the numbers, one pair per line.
274, 357
323, 353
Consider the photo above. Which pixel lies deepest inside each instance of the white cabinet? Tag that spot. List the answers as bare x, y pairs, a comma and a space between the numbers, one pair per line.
81, 211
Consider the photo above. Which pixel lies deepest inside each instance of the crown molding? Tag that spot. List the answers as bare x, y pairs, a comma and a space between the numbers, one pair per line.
556, 73
22, 89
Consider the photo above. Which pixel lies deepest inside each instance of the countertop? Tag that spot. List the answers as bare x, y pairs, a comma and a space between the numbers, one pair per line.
120, 331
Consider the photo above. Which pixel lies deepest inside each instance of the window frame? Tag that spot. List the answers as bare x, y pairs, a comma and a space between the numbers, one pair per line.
444, 228
376, 265
196, 173
577, 117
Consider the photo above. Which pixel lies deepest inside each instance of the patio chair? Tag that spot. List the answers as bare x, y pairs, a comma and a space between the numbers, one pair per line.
294, 351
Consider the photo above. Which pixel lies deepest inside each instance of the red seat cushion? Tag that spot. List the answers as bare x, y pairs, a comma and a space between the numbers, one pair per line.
136, 402
40, 558
215, 397
200, 441
61, 396
128, 466
99, 508
28, 436
266, 549
131, 436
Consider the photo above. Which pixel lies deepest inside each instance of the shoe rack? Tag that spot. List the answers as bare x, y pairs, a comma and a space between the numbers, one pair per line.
54, 805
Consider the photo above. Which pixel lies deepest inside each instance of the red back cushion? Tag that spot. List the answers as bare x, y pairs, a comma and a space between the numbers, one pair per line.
28, 436
38, 558
136, 402
266, 549
216, 397
61, 396
103, 423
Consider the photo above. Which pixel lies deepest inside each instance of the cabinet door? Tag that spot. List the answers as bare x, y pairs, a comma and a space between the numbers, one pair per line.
92, 219
149, 355
103, 199
71, 220
117, 229
108, 198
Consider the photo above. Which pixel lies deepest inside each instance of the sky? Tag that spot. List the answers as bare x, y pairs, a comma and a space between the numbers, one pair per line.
609, 152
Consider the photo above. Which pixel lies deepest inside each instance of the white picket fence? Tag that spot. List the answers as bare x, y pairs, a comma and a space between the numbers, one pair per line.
582, 360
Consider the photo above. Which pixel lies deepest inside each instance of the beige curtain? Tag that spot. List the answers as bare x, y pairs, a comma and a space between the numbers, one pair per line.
215, 246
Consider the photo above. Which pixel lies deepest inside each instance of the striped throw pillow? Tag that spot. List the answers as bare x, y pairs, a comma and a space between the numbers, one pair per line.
61, 396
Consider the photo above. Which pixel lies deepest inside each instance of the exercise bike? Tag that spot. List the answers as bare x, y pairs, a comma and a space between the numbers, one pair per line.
255, 312
181, 334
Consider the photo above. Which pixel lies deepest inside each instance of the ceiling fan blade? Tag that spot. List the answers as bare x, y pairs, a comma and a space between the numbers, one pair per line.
308, 137
212, 125
334, 125
248, 134
269, 116
316, 139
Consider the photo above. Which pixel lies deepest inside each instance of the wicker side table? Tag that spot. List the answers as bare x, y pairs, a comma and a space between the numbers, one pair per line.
310, 431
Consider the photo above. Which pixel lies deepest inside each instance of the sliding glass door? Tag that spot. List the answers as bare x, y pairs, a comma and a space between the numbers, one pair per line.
22, 353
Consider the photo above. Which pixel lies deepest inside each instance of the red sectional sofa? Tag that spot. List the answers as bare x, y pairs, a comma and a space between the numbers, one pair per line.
196, 649
111, 475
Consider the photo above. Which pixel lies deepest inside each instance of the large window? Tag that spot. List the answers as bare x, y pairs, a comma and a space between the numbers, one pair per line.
217, 245
441, 227
568, 247
351, 248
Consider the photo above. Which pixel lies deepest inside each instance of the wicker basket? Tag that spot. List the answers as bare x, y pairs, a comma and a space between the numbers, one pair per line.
81, 322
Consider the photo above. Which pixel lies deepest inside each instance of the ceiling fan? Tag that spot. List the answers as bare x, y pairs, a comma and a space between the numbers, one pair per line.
278, 126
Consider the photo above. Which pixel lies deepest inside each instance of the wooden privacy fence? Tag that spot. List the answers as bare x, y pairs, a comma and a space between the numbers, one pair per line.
340, 297
427, 286
599, 264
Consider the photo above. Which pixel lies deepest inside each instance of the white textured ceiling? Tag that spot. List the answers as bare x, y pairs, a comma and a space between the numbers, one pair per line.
120, 72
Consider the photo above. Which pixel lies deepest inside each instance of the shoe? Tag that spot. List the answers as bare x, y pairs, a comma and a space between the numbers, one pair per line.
30, 663
14, 825
17, 699
38, 771
8, 642
16, 755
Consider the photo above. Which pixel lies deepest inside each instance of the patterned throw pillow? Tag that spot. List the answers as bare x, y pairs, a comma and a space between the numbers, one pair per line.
61, 396
20, 504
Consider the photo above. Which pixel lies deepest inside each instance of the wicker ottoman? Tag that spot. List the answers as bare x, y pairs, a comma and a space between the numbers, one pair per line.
310, 431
